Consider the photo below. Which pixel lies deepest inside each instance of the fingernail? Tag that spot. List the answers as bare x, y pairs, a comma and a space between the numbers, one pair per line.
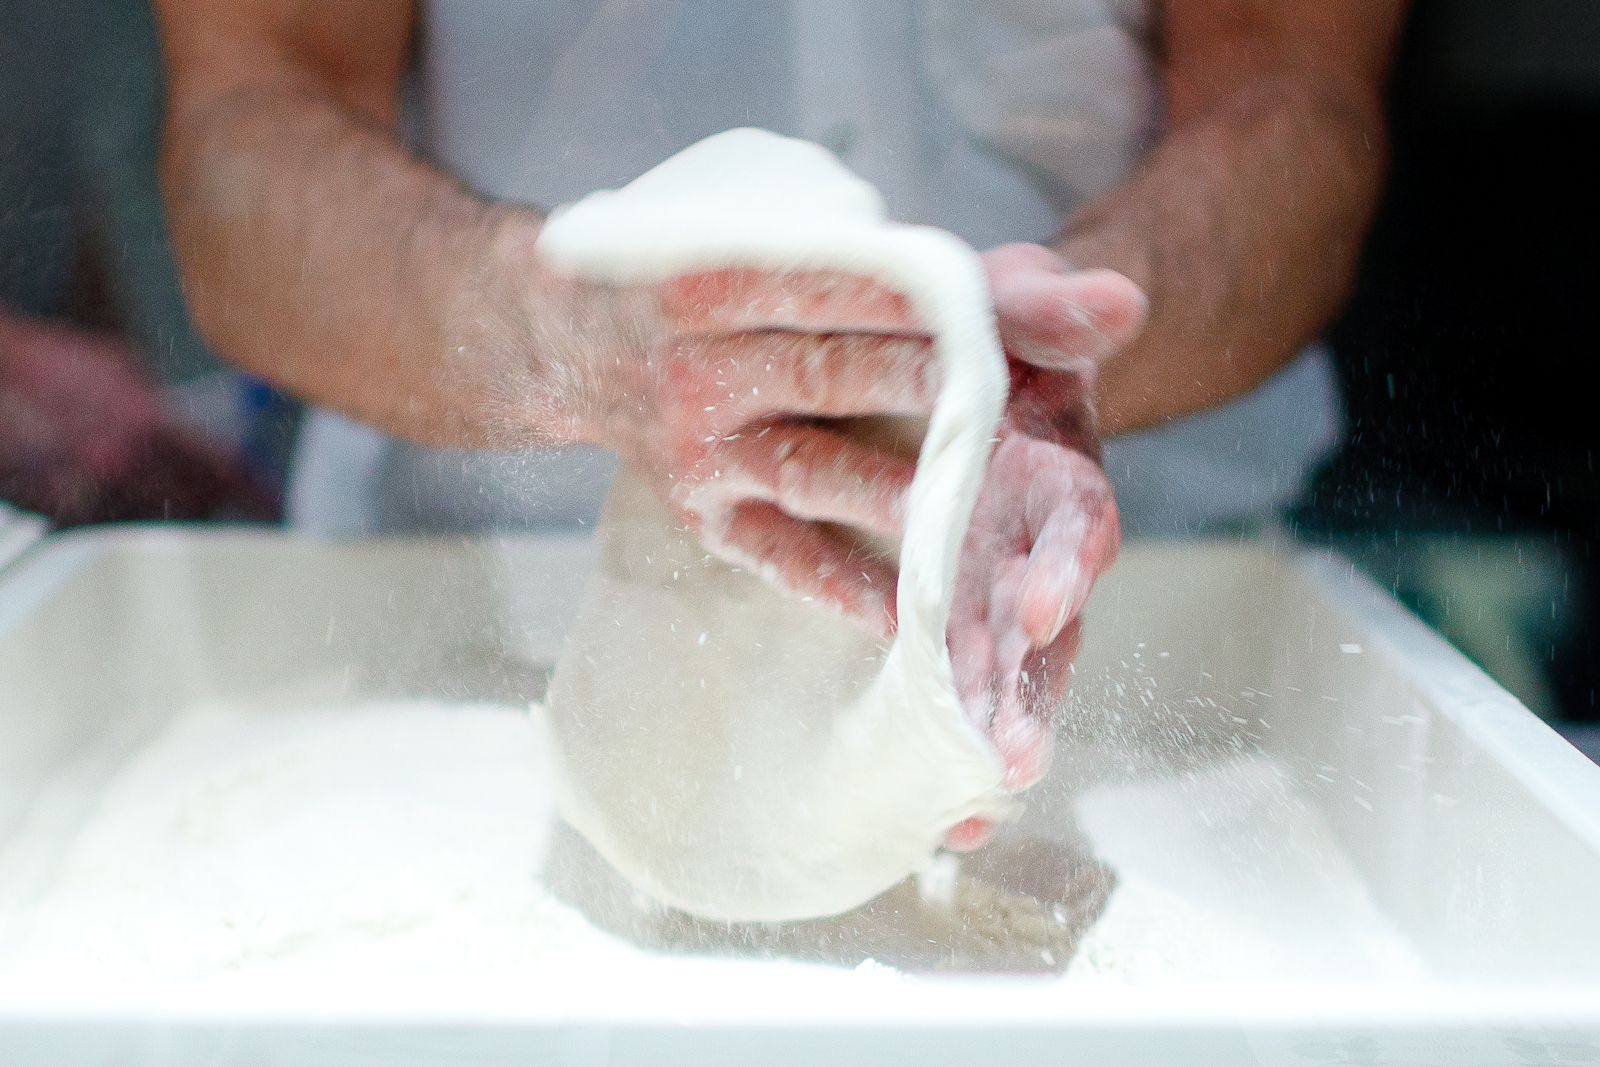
1061, 620
969, 834
1070, 601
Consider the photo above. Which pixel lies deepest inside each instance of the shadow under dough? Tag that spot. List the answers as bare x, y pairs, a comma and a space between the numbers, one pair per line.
1018, 905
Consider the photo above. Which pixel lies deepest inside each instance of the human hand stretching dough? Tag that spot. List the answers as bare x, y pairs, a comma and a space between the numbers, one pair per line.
1045, 526
319, 254
725, 390
764, 488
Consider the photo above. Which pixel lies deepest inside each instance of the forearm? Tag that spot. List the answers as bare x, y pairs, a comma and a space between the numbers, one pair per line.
1243, 229
318, 254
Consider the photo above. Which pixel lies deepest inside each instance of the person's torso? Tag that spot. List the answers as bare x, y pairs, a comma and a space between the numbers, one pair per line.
990, 119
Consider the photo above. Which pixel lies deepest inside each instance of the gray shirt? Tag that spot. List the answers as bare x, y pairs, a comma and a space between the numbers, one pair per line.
990, 119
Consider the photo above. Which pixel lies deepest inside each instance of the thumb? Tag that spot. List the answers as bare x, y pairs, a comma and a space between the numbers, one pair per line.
1060, 321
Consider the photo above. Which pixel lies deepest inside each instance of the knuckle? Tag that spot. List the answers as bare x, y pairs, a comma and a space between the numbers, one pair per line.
792, 478
677, 376
905, 372
815, 366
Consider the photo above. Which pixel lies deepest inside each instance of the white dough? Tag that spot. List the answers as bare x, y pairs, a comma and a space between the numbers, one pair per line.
736, 753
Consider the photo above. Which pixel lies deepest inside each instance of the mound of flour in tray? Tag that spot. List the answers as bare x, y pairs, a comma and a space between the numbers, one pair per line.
1230, 873
387, 854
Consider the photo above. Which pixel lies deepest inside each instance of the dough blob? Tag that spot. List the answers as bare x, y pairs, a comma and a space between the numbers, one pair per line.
735, 753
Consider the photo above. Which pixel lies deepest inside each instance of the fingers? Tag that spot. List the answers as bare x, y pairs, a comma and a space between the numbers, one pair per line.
972, 661
1044, 529
1025, 695
969, 834
742, 300
1056, 582
1075, 533
1035, 603
764, 492
730, 381
1057, 318
1022, 256
1049, 668
1020, 735
808, 343
1063, 322
808, 472
808, 561
990, 680
988, 662
1062, 569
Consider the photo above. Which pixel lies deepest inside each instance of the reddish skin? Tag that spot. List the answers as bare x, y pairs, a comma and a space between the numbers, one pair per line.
83, 438
757, 489
715, 387
1045, 525
319, 254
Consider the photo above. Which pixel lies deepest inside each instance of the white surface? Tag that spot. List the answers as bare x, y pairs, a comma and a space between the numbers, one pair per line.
18, 530
1473, 841
297, 854
805, 789
1230, 874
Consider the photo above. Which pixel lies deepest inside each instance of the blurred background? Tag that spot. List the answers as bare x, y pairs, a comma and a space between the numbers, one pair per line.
1466, 485
1467, 482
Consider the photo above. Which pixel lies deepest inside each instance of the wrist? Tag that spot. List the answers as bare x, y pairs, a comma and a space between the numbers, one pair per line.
526, 323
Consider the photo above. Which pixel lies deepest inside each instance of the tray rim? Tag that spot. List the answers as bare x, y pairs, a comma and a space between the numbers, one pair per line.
1531, 749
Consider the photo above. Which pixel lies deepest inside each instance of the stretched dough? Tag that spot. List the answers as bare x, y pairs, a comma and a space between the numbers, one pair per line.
733, 752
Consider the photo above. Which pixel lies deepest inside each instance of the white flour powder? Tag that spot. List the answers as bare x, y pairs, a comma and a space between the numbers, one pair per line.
1230, 875
385, 854
337, 846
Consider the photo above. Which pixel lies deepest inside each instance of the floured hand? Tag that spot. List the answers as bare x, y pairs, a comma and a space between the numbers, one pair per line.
824, 766
715, 386
1045, 525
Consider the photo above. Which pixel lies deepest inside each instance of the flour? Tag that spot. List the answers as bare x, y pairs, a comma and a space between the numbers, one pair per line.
736, 753
316, 842
387, 856
1229, 874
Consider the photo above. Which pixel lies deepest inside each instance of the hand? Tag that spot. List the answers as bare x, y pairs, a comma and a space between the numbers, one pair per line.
1045, 525
83, 438
714, 386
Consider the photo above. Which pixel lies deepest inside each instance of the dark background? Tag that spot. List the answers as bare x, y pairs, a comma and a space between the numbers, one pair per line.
1467, 353
1468, 485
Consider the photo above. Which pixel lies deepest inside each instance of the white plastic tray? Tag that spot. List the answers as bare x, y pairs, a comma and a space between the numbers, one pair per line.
1474, 827
18, 530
